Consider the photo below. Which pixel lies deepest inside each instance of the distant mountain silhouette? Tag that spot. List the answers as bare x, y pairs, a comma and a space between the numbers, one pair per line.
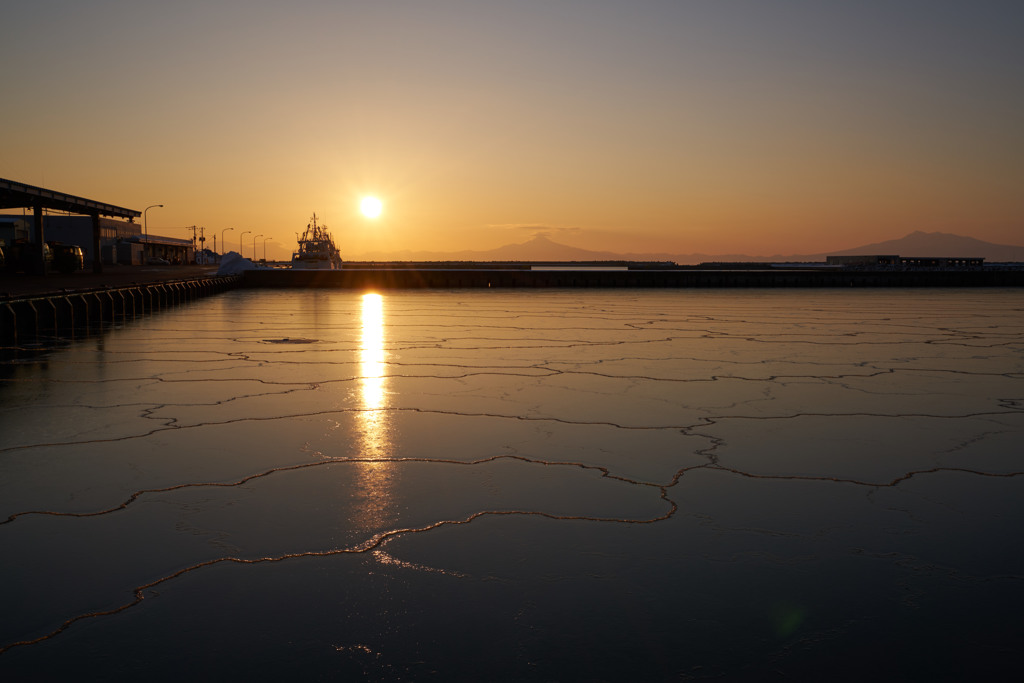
543, 248
940, 244
539, 248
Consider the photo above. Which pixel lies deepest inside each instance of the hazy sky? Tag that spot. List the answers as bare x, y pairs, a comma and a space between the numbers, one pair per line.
756, 126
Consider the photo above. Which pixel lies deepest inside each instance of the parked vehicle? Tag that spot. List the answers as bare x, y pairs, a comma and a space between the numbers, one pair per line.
67, 258
21, 256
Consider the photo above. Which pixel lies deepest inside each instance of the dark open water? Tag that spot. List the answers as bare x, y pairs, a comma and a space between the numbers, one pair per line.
550, 486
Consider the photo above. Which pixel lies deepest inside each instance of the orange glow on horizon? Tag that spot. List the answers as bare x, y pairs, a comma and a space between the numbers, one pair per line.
683, 129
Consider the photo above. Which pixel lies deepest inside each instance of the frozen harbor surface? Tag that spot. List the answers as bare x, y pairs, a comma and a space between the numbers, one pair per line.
543, 485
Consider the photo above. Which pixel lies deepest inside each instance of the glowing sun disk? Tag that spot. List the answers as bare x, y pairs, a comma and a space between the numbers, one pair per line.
371, 207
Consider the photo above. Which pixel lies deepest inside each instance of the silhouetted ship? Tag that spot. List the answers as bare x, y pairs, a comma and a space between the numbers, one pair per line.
317, 250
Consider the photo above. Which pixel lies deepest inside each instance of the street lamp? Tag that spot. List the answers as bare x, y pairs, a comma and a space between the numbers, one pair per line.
145, 229
241, 241
223, 244
254, 245
265, 248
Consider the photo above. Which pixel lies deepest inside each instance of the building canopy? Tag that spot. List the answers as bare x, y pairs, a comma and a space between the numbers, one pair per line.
19, 195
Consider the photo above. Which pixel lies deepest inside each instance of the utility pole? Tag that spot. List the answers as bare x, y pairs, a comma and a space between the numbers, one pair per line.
194, 248
202, 241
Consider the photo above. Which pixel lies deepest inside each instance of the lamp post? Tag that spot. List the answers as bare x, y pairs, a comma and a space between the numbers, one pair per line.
265, 249
223, 244
145, 229
254, 245
241, 241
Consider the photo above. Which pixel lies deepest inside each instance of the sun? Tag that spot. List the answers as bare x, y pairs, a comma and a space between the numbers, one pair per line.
371, 207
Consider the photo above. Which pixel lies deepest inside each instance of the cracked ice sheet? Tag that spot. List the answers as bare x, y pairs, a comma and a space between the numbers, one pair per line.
90, 475
522, 454
326, 507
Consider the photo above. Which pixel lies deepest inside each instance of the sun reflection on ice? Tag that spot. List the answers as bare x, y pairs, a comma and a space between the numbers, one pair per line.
374, 479
371, 353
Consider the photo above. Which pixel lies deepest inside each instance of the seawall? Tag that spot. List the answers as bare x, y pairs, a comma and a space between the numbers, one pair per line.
456, 278
80, 312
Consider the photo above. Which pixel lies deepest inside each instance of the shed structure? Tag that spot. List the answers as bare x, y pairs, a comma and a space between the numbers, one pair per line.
15, 195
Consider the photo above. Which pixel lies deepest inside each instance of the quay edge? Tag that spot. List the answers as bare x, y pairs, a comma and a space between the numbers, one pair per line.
78, 313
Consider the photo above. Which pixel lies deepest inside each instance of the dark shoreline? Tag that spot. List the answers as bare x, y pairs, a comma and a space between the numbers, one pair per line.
441, 277
40, 307
457, 275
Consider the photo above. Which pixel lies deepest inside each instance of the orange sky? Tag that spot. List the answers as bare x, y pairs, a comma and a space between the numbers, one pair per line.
718, 127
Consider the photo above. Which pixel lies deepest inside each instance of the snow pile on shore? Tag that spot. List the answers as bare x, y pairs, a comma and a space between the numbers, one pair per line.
233, 263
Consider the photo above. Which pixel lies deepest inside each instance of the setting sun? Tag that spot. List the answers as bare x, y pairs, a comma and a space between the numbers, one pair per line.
371, 207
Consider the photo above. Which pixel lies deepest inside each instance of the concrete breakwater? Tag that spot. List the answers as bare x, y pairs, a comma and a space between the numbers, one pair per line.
525, 278
82, 312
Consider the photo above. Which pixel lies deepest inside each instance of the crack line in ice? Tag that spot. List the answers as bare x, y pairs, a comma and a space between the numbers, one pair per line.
710, 421
367, 546
1013, 409
339, 411
842, 480
604, 471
